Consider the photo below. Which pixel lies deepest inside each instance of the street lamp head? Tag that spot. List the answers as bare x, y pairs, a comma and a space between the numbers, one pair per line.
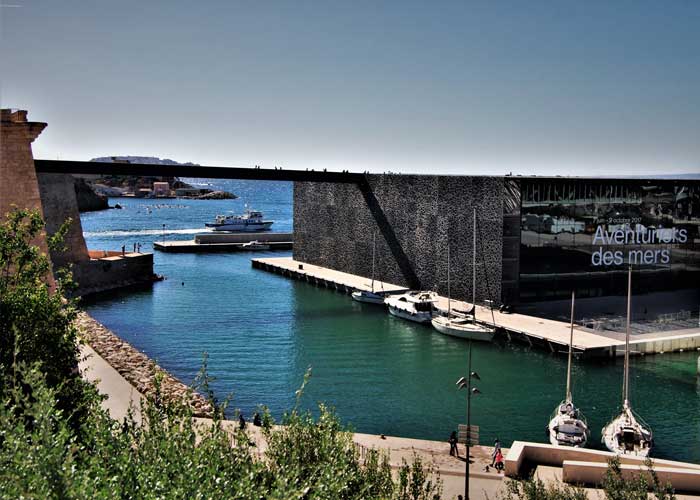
475, 390
461, 382
475, 375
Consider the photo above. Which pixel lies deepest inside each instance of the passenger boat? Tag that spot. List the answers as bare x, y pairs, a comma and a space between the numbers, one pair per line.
370, 296
568, 426
250, 221
627, 434
462, 326
415, 305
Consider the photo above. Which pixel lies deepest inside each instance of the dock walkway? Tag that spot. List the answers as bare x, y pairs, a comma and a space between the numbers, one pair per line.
541, 332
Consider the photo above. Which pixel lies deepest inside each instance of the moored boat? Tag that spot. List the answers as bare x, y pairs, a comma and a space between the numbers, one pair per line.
627, 434
461, 326
370, 296
568, 426
417, 306
255, 245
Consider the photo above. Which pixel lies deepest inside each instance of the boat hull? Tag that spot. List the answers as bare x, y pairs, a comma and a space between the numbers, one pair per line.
613, 436
417, 317
558, 422
368, 297
471, 331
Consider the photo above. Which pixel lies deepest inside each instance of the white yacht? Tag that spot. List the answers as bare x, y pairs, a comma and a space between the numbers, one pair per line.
415, 306
370, 296
627, 434
255, 245
250, 221
568, 426
458, 325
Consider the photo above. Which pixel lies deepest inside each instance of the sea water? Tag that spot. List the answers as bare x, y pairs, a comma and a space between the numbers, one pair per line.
381, 374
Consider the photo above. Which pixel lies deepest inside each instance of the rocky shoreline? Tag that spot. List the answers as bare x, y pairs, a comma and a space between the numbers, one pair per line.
135, 366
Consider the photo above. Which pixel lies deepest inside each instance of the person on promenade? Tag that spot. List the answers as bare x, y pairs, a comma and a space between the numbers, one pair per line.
454, 451
241, 421
499, 461
496, 450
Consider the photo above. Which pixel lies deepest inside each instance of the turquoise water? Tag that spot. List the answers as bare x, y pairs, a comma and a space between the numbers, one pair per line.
382, 374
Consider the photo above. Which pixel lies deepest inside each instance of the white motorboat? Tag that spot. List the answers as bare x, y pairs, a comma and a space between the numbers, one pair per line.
255, 245
251, 221
464, 327
568, 426
627, 434
415, 306
370, 296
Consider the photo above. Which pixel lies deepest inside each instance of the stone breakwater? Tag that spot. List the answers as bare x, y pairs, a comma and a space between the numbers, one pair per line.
137, 368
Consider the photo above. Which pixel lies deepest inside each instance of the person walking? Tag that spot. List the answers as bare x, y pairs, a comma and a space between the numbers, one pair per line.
499, 461
496, 450
454, 451
241, 421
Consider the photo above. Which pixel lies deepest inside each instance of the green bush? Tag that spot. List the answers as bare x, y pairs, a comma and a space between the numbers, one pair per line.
36, 323
57, 442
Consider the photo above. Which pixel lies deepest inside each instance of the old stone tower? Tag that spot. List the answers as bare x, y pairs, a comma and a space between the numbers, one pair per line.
18, 181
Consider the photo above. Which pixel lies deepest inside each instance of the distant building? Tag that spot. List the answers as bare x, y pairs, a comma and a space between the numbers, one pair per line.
161, 189
142, 193
537, 238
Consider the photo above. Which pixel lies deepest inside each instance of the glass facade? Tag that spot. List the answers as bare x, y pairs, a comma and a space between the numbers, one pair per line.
581, 234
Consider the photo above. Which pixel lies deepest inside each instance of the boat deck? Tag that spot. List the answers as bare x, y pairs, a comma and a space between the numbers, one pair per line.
541, 332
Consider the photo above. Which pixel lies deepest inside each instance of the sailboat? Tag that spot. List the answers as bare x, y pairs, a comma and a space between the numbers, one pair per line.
461, 326
627, 434
370, 297
568, 426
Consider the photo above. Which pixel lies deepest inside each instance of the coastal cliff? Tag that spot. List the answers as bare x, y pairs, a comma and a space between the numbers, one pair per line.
88, 199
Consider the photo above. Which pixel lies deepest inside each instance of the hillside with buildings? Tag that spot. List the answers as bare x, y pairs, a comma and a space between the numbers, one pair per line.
107, 186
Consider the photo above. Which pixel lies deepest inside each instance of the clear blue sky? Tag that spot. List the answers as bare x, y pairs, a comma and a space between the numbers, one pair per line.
563, 87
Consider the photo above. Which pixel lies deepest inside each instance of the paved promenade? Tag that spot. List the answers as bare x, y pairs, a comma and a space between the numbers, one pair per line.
121, 394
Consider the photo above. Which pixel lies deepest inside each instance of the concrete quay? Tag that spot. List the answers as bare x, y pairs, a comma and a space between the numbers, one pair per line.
225, 242
544, 333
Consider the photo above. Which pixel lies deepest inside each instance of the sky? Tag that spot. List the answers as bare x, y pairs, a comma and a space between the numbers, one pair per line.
460, 87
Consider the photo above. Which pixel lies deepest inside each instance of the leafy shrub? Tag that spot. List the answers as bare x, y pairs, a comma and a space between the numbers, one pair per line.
56, 441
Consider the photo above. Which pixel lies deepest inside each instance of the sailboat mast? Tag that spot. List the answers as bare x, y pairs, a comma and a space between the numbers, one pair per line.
474, 266
374, 251
626, 381
571, 344
449, 295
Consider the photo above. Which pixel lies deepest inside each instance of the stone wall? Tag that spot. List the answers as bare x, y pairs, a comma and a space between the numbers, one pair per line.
59, 201
99, 275
413, 218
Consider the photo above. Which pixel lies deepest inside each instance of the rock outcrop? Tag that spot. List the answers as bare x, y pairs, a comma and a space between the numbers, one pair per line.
88, 199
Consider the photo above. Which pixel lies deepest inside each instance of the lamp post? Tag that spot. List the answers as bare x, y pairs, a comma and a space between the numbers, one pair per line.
163, 234
462, 383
